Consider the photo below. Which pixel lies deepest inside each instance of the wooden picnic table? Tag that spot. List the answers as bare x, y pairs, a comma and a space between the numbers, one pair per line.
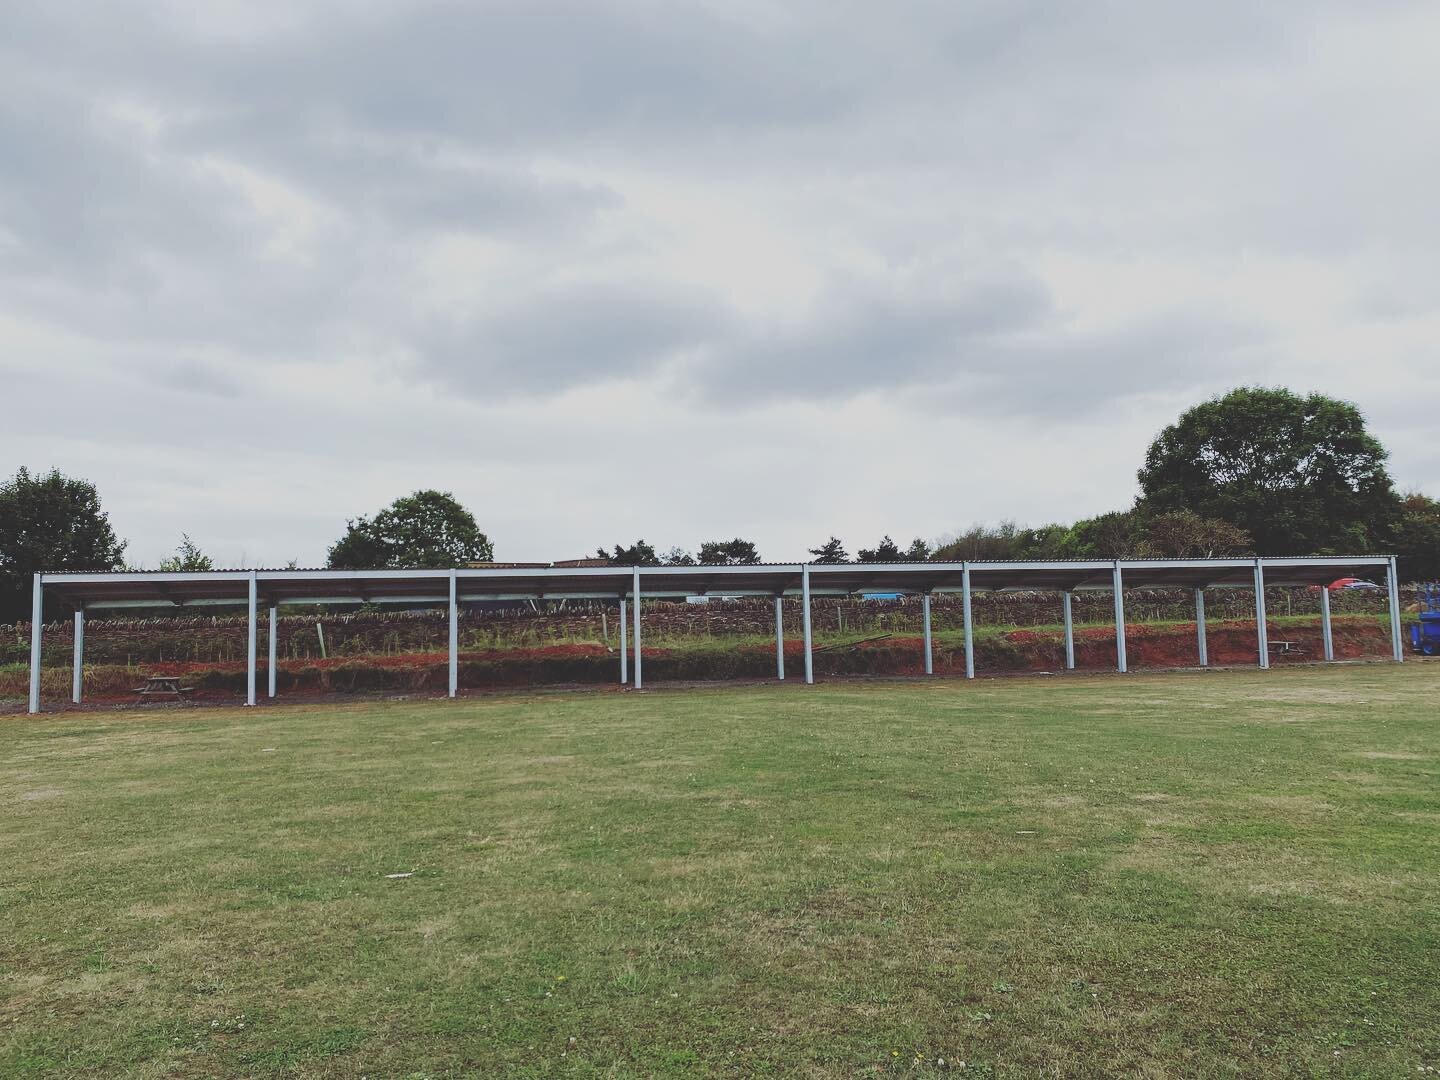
163, 686
1285, 648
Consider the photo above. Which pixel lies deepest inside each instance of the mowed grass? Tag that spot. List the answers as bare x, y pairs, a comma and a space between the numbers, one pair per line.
1214, 874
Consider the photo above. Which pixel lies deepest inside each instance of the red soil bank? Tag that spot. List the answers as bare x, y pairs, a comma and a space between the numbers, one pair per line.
1152, 646
1230, 643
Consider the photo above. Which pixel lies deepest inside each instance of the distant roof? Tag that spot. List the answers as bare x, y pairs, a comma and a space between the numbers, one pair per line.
579, 579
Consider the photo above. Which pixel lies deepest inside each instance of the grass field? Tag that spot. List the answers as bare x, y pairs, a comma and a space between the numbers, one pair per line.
1218, 874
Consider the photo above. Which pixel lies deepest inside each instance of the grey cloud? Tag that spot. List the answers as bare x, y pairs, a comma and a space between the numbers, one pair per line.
866, 336
571, 334
81, 202
996, 345
200, 377
507, 73
1072, 371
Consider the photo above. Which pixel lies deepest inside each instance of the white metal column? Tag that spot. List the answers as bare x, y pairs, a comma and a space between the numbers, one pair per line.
37, 632
77, 673
1262, 632
969, 630
779, 638
624, 648
1327, 631
805, 621
250, 643
1122, 661
1202, 642
637, 628
929, 654
1392, 579
1067, 597
274, 643
454, 685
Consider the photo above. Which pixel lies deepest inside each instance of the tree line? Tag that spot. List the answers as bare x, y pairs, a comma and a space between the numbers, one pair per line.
1254, 471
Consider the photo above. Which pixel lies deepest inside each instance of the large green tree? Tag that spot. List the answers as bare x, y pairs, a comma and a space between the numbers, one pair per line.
1300, 475
735, 552
832, 551
885, 551
426, 529
640, 553
49, 522
1417, 539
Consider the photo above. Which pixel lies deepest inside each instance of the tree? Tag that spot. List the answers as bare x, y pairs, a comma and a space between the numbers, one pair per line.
1300, 475
187, 557
49, 522
832, 551
677, 557
918, 551
1417, 539
735, 552
885, 551
1116, 535
1184, 534
981, 542
426, 529
639, 553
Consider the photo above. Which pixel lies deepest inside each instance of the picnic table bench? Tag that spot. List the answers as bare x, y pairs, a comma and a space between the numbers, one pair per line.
163, 686
1286, 648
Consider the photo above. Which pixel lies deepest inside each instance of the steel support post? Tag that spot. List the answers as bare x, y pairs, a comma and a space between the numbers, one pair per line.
1122, 661
77, 671
37, 637
1327, 631
1067, 599
253, 632
969, 629
1262, 632
273, 641
779, 638
1392, 581
929, 653
638, 683
1202, 641
454, 635
624, 648
805, 621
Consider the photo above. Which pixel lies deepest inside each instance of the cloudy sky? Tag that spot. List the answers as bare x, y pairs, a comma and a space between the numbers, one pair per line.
684, 270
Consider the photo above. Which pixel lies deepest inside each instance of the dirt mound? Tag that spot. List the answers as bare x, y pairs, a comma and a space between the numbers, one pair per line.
1231, 643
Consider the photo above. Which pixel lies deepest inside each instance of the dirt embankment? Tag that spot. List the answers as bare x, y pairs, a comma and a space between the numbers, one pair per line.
1153, 646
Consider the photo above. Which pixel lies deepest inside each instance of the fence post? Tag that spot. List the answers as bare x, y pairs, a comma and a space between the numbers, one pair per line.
1262, 632
1392, 580
37, 638
779, 638
77, 674
1122, 663
969, 629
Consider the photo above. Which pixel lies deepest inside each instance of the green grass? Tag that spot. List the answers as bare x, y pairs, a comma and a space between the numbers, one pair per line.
1225, 874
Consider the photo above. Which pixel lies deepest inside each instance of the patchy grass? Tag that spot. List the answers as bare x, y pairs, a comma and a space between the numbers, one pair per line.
1215, 874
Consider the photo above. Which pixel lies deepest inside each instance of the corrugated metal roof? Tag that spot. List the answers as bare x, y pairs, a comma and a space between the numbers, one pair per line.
432, 585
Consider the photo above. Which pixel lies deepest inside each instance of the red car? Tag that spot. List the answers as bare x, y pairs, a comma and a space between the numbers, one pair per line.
1354, 583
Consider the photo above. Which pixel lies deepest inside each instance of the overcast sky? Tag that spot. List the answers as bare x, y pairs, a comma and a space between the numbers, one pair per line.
617, 268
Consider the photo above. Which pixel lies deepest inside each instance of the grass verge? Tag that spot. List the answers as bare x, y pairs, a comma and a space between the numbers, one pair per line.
1169, 875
